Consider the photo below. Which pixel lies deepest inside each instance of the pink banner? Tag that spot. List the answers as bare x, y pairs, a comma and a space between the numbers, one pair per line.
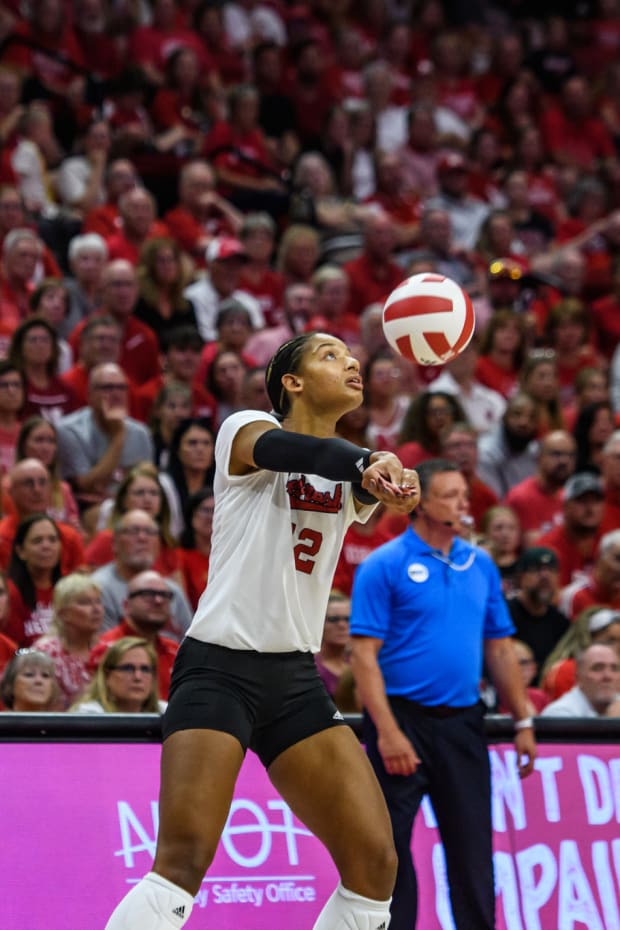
78, 825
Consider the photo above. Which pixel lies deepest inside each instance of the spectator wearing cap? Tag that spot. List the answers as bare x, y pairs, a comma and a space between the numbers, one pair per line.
201, 213
595, 624
597, 686
575, 540
225, 257
146, 613
466, 212
537, 620
507, 454
602, 586
537, 500
374, 274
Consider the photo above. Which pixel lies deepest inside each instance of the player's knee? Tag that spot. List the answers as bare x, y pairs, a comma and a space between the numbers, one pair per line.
185, 861
373, 873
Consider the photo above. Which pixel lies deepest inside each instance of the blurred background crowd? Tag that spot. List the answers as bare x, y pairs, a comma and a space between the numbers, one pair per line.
183, 186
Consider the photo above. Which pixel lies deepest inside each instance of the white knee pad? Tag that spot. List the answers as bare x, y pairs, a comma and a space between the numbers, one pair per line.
153, 904
346, 910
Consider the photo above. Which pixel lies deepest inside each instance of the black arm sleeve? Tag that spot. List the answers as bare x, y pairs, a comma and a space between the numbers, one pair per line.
336, 459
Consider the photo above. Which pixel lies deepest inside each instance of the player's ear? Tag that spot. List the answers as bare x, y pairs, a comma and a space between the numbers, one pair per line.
292, 383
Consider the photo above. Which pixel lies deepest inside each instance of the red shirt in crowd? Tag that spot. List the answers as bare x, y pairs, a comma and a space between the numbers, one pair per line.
139, 356
582, 142
28, 623
605, 322
71, 551
370, 283
188, 232
356, 547
165, 649
490, 374
268, 289
195, 569
99, 551
203, 404
538, 510
573, 561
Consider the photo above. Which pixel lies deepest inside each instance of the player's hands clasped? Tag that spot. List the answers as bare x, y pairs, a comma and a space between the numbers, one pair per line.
386, 479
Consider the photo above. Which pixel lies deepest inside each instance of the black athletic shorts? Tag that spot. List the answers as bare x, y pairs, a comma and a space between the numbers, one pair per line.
267, 700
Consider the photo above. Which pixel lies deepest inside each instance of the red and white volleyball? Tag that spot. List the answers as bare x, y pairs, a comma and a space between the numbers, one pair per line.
428, 319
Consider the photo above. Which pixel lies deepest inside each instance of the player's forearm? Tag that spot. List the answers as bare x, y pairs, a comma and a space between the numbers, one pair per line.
335, 459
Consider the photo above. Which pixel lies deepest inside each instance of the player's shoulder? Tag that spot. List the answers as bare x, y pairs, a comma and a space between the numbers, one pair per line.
233, 423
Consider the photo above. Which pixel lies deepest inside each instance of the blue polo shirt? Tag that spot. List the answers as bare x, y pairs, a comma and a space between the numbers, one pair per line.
433, 613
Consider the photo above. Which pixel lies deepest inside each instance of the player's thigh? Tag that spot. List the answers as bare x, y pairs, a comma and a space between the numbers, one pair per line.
329, 784
199, 769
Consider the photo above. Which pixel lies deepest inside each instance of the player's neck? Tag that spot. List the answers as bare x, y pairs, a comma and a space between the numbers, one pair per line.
310, 423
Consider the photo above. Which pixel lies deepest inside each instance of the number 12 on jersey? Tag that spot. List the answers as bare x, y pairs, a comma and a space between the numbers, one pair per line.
306, 545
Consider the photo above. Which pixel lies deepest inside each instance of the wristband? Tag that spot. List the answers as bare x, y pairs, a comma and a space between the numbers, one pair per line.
526, 723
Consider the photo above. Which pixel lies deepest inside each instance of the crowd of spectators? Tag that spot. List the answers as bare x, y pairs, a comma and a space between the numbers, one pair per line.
184, 185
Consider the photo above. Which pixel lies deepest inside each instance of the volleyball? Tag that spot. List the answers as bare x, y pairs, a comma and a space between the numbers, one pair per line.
428, 319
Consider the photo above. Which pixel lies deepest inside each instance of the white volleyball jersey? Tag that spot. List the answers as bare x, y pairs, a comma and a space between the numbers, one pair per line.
276, 540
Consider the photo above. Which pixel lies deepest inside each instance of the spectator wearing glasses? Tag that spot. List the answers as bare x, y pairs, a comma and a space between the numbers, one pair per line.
139, 346
125, 681
31, 491
333, 658
136, 548
146, 613
99, 443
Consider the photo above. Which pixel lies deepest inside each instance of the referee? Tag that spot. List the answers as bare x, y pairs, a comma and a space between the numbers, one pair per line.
427, 609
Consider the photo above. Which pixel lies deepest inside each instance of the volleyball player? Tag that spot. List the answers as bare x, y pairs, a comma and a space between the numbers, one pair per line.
286, 489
